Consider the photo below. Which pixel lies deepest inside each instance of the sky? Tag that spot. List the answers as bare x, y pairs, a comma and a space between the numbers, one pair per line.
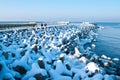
60, 10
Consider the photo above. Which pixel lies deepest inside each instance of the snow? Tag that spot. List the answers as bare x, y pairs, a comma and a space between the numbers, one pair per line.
77, 52
93, 45
104, 56
86, 24
92, 67
115, 59
83, 59
54, 53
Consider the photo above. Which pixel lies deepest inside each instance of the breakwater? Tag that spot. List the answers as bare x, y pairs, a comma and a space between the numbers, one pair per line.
15, 25
55, 53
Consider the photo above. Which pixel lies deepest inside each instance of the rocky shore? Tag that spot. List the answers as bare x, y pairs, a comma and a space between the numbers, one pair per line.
54, 53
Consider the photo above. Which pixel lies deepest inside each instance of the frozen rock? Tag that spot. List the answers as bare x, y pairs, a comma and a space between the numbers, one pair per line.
62, 57
92, 67
5, 72
106, 64
94, 58
13, 54
35, 70
98, 76
34, 47
83, 59
82, 74
110, 70
64, 41
1, 67
24, 45
31, 78
77, 53
56, 76
41, 63
20, 69
109, 58
62, 78
68, 66
46, 54
77, 77
91, 74
104, 57
93, 46
36, 40
118, 72
22, 53
115, 59
5, 54
61, 68
8, 76
109, 77
117, 77
39, 76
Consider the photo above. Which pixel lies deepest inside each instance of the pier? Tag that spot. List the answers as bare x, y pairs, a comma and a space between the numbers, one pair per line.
6, 26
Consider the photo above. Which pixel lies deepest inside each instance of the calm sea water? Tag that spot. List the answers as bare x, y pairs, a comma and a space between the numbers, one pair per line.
108, 41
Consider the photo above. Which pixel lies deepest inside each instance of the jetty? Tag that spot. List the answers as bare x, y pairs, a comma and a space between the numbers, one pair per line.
5, 26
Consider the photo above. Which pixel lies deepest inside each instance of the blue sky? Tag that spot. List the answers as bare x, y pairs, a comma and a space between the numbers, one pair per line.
56, 10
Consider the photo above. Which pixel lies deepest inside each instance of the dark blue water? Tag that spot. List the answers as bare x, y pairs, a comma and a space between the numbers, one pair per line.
108, 41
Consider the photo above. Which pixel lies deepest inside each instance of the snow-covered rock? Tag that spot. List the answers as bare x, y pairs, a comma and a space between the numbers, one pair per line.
92, 67
54, 53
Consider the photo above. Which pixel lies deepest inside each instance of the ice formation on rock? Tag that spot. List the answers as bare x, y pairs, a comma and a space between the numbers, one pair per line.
54, 53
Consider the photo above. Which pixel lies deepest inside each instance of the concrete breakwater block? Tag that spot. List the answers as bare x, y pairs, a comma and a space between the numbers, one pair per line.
55, 54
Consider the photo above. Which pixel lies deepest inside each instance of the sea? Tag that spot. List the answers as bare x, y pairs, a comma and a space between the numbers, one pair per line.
108, 41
